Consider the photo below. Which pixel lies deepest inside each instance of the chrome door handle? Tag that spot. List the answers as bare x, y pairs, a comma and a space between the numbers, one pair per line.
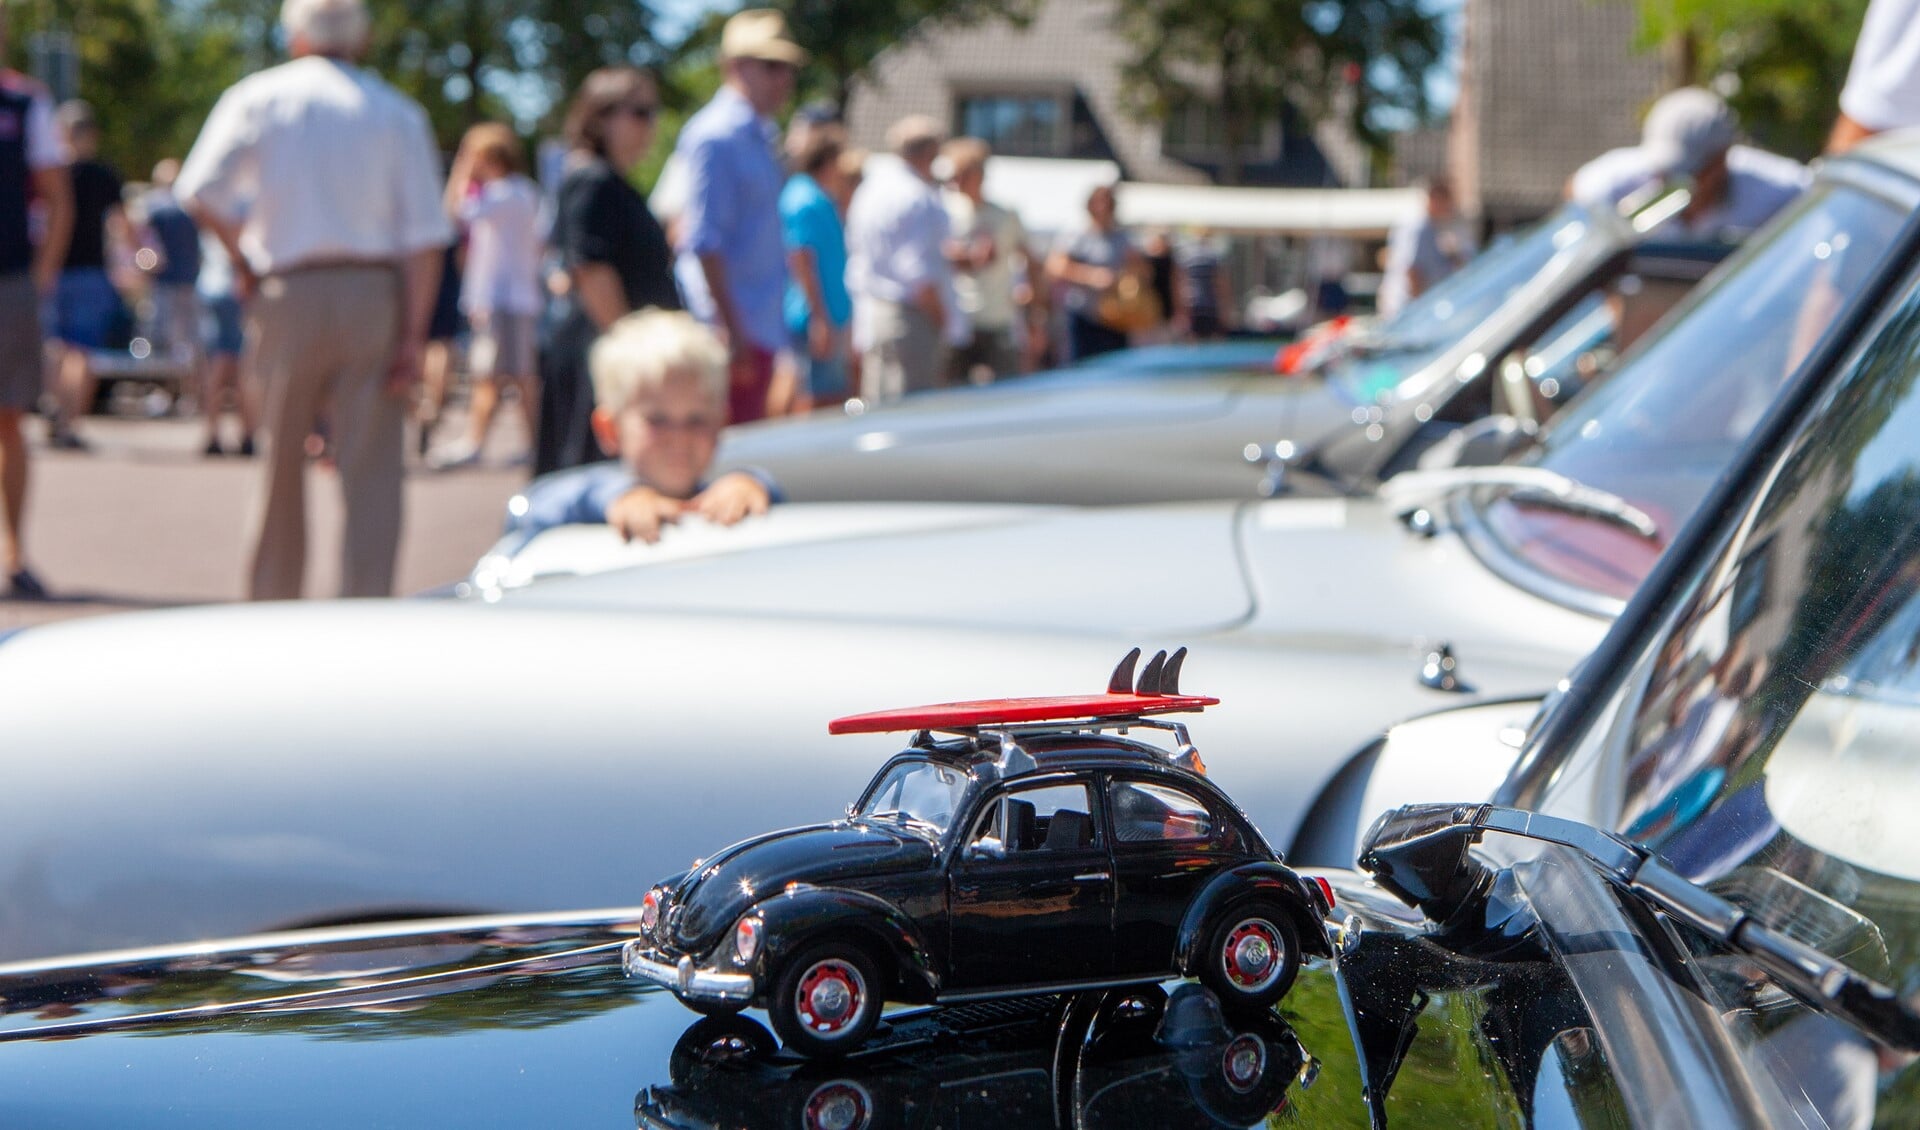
1092, 876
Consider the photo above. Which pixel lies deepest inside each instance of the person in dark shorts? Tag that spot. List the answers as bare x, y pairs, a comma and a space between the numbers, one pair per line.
615, 252
33, 164
85, 303
1202, 296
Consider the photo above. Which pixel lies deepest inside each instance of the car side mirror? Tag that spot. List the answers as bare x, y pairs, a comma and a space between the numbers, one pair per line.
1486, 442
986, 848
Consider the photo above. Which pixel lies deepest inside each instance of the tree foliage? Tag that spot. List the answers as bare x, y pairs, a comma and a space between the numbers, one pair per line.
1356, 58
1780, 63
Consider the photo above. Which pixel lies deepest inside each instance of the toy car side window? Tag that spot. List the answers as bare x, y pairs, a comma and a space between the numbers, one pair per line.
1144, 813
1046, 818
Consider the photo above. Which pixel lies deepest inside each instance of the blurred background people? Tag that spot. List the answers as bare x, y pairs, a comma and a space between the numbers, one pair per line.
897, 267
660, 393
223, 338
499, 287
1090, 264
1424, 248
33, 166
819, 311
1690, 133
733, 258
175, 240
992, 269
86, 306
324, 181
436, 359
1202, 294
1883, 81
615, 252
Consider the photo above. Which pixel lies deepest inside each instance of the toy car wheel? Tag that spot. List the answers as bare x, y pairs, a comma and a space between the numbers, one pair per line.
1252, 956
826, 1000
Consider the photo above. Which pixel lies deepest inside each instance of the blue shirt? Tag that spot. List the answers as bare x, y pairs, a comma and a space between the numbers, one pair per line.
812, 222
580, 496
733, 209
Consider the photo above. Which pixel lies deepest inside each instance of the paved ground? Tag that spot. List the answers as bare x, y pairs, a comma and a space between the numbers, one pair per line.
145, 520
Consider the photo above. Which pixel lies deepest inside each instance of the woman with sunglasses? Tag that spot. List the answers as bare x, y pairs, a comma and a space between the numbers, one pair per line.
615, 253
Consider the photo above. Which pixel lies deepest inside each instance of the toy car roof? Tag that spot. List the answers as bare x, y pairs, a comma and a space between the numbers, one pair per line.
1156, 692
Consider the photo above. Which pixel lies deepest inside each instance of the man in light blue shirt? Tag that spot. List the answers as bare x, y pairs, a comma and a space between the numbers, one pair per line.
733, 260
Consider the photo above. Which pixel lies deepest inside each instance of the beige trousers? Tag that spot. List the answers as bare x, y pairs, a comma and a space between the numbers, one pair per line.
906, 356
320, 341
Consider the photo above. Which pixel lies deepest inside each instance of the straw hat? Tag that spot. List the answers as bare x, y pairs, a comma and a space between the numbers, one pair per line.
761, 33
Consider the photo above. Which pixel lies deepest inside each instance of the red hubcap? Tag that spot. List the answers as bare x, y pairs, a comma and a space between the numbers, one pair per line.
830, 997
1252, 957
1244, 1061
839, 1105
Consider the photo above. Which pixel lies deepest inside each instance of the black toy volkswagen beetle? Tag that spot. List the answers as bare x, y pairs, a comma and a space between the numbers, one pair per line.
1035, 851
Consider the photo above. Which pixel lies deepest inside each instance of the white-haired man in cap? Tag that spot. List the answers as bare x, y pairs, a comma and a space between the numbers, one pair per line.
323, 183
1690, 133
732, 262
897, 268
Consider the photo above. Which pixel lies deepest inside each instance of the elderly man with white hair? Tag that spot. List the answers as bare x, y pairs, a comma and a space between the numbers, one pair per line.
897, 268
323, 183
1690, 133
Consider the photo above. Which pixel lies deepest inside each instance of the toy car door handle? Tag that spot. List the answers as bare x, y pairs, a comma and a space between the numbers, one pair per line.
1093, 876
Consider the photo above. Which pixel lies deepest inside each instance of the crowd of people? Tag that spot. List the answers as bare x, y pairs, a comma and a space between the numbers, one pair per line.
310, 230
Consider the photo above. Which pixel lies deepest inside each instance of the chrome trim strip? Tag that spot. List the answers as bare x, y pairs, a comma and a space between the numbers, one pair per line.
1055, 987
682, 977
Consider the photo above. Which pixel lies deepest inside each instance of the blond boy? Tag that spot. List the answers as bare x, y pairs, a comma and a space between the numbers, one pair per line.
660, 395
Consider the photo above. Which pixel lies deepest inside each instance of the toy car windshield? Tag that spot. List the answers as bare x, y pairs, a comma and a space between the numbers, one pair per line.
917, 792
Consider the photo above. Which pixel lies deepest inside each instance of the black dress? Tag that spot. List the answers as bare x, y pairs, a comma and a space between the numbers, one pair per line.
601, 218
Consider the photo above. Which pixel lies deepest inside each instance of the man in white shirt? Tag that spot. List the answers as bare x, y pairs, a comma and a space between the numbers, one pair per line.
323, 182
988, 241
1690, 133
1883, 84
897, 270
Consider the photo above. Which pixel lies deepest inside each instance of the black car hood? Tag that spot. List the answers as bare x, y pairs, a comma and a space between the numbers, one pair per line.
529, 1021
719, 889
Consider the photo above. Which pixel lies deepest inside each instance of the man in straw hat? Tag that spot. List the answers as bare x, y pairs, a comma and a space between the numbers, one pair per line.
897, 269
733, 259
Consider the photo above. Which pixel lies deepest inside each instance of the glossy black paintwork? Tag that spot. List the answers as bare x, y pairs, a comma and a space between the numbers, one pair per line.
957, 926
531, 1023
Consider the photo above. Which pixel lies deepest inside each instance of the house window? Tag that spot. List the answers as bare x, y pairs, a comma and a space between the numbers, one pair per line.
1195, 130
1019, 125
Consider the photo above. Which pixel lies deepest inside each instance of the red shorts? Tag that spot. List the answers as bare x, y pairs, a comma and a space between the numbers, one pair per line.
747, 398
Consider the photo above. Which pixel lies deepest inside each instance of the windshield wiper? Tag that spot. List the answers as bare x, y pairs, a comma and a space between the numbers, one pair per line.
1409, 491
1420, 853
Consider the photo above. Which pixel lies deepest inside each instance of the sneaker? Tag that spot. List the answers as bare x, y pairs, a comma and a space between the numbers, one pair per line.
245, 450
213, 449
454, 457
23, 585
65, 439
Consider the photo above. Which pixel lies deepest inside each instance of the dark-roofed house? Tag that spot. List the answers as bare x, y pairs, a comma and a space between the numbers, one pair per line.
1055, 89
1545, 85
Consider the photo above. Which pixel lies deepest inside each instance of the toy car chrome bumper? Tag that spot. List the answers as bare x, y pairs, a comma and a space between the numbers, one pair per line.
683, 977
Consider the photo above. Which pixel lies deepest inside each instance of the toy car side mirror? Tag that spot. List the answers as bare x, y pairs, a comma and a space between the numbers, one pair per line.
986, 847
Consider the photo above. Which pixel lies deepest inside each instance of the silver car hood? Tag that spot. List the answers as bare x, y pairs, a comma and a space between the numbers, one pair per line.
1050, 441
204, 772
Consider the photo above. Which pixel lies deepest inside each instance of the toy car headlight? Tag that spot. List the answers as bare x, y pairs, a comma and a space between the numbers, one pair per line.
746, 939
650, 911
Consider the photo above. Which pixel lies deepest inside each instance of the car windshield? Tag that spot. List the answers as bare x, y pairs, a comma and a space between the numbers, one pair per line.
917, 792
1444, 314
1767, 741
1659, 431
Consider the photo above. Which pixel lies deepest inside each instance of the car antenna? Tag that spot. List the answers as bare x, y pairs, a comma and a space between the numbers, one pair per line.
1150, 678
1122, 680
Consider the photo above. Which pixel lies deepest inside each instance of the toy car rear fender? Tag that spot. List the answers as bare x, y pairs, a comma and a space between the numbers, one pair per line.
1273, 881
802, 914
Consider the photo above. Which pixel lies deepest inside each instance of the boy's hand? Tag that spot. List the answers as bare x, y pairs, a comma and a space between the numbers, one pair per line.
641, 512
732, 497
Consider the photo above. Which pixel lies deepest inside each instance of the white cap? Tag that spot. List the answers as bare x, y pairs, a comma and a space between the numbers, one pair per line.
1686, 129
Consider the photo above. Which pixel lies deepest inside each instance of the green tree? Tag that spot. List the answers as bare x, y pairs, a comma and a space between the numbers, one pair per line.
1781, 63
1243, 58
